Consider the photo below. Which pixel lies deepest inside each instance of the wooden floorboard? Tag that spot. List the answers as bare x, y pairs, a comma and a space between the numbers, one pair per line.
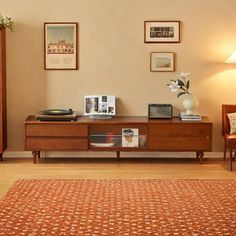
142, 168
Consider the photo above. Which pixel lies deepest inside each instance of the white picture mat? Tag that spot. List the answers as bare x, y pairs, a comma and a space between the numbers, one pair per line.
149, 25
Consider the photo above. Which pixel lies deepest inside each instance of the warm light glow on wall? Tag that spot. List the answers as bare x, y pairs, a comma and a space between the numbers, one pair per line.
232, 58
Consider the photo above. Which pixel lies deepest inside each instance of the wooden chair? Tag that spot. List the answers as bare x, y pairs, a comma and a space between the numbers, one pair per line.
230, 139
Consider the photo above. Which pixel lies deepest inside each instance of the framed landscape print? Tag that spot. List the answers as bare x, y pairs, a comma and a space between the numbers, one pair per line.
61, 46
162, 61
162, 31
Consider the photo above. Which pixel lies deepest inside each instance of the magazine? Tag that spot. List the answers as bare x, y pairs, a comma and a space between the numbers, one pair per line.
99, 105
130, 137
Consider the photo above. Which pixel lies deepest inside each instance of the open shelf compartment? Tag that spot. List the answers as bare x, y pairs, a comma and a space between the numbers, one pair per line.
118, 136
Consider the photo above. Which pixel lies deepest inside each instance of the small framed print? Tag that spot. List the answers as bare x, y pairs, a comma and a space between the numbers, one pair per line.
130, 137
162, 31
162, 61
61, 46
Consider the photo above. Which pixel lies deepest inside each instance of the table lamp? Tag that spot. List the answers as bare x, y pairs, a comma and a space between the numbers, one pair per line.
232, 58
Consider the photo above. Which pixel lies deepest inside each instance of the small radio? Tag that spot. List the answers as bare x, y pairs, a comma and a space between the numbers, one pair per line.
161, 111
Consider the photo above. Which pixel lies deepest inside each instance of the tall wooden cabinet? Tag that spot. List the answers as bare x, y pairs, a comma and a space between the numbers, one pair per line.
3, 119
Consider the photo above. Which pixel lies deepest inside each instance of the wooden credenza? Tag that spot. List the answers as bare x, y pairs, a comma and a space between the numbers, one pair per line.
171, 135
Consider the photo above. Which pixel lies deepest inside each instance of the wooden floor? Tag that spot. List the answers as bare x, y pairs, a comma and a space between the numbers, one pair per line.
55, 168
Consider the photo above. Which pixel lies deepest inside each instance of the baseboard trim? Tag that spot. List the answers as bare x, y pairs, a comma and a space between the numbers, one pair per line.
27, 154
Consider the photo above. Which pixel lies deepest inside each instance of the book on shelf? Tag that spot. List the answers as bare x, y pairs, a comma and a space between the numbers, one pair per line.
193, 116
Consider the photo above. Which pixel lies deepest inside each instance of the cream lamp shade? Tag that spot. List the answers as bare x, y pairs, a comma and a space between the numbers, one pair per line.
232, 58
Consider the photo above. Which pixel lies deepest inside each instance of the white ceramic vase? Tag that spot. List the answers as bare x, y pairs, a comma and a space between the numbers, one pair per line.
190, 103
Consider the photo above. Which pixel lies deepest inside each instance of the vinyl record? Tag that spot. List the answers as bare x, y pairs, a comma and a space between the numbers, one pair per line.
56, 112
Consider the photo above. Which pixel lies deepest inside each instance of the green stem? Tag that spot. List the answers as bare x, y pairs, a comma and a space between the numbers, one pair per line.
184, 89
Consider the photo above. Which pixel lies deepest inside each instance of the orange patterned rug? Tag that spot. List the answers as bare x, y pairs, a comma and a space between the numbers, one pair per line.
119, 208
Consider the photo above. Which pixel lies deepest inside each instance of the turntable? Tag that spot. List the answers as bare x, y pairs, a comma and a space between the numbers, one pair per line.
56, 115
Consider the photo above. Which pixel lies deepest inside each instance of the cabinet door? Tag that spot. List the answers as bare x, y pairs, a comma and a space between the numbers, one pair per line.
180, 136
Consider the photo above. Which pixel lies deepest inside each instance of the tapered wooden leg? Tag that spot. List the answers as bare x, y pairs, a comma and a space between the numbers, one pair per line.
1, 157
34, 153
231, 164
225, 150
200, 155
118, 154
231, 159
197, 155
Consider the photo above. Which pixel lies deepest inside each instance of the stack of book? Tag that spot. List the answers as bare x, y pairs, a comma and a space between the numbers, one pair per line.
192, 117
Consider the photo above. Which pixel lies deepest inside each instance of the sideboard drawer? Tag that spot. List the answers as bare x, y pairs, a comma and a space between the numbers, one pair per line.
57, 144
57, 130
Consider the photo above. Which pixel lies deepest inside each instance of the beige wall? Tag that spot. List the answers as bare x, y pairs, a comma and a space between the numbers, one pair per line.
114, 59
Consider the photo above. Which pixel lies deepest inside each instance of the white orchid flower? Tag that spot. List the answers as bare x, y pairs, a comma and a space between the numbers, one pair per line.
180, 85
174, 86
183, 75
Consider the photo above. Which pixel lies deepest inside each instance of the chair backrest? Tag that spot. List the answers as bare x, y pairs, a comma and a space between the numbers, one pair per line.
226, 108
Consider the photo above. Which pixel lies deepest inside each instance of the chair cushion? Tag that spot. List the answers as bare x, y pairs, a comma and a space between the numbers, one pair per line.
232, 122
230, 140
230, 136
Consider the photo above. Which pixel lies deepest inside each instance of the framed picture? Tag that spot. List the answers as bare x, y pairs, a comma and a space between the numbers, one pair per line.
130, 137
162, 31
100, 105
162, 61
61, 46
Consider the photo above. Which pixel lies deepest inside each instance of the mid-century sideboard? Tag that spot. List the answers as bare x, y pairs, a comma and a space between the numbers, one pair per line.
171, 135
